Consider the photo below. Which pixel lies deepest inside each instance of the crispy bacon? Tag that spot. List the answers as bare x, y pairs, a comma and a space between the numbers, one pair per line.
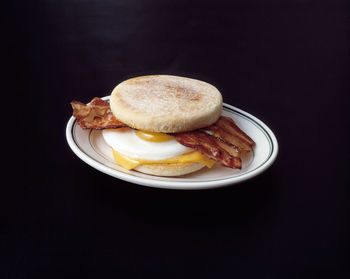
226, 129
230, 125
215, 148
96, 115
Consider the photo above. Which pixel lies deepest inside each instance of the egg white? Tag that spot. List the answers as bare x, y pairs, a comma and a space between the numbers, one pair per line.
126, 142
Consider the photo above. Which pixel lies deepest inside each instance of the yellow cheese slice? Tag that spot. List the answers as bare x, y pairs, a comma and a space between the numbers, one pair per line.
192, 157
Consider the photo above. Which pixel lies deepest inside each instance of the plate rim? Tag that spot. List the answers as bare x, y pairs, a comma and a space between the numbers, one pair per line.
180, 185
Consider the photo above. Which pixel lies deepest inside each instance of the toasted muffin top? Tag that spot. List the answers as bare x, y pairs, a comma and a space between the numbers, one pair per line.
164, 103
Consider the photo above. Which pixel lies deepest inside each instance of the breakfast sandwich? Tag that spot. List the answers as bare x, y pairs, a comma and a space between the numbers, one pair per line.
166, 126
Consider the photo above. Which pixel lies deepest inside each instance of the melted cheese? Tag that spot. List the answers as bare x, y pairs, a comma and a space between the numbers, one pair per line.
192, 157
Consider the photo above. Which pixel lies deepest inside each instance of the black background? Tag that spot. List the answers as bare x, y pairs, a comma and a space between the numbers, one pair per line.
286, 62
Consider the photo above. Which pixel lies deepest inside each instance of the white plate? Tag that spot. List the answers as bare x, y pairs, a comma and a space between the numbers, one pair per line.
89, 146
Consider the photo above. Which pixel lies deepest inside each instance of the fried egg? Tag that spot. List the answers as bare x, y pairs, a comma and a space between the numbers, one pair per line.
134, 147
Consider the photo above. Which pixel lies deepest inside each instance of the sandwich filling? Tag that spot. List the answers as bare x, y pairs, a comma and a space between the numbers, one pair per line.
223, 141
132, 148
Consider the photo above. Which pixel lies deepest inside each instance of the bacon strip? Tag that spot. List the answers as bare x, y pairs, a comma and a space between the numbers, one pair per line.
225, 153
226, 129
225, 125
96, 115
